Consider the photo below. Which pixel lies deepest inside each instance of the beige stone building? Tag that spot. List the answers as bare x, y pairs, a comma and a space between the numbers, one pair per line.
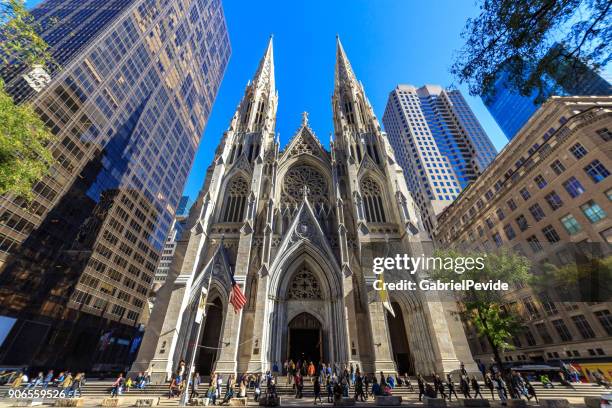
548, 195
297, 229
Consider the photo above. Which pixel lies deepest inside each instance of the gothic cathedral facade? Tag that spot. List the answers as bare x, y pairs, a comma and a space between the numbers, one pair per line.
297, 228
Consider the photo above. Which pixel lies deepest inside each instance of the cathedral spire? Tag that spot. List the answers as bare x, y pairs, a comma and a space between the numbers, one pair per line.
265, 72
257, 110
344, 71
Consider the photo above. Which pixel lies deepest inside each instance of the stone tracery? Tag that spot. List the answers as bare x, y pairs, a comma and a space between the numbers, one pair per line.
300, 176
304, 286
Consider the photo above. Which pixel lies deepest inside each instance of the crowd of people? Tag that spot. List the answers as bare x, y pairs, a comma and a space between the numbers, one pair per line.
517, 387
68, 384
124, 384
327, 381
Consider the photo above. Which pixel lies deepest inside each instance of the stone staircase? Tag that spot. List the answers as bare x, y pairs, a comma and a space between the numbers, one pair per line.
95, 391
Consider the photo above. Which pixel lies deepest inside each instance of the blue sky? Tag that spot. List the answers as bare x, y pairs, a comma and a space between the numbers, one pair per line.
387, 41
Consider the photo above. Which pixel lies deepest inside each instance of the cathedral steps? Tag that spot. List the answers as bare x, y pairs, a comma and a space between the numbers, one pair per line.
97, 390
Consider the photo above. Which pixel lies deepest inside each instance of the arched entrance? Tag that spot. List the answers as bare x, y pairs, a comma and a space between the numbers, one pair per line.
210, 338
400, 348
305, 338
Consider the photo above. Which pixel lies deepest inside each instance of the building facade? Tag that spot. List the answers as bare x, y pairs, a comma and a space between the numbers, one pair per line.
548, 196
511, 110
128, 105
297, 229
438, 142
176, 230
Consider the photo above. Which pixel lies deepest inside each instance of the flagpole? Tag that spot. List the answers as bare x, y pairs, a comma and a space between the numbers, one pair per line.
194, 348
384, 296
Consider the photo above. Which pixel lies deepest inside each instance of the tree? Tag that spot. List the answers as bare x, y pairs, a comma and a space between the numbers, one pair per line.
24, 155
534, 40
484, 308
586, 280
24, 146
21, 43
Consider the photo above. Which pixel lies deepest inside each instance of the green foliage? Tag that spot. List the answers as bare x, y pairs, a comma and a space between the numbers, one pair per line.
584, 281
518, 37
496, 326
21, 43
504, 266
24, 155
484, 307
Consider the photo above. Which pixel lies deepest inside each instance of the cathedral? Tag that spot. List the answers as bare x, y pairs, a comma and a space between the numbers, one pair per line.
297, 228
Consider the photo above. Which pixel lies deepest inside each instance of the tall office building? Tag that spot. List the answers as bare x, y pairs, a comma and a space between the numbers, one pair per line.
511, 110
548, 197
438, 142
176, 231
182, 207
128, 107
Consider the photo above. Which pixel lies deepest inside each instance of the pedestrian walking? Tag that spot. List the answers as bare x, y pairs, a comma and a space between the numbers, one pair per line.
376, 388
383, 381
116, 386
317, 391
451, 387
421, 385
476, 387
299, 385
439, 385
531, 391
489, 384
465, 387
257, 391
500, 385
359, 387
195, 383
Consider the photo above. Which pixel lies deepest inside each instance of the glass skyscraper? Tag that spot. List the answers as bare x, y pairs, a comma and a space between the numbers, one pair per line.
438, 142
128, 103
511, 110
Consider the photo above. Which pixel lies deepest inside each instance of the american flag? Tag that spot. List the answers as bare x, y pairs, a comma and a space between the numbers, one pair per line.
237, 298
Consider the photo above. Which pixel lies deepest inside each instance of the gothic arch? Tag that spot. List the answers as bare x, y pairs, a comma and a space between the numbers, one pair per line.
329, 310
211, 332
317, 164
292, 176
326, 270
234, 200
374, 204
416, 328
304, 285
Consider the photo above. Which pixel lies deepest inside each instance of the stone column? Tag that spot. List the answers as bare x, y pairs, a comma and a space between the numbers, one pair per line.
382, 359
258, 362
350, 316
228, 354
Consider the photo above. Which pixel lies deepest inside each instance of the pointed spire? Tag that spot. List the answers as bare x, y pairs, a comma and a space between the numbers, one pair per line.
265, 71
344, 71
